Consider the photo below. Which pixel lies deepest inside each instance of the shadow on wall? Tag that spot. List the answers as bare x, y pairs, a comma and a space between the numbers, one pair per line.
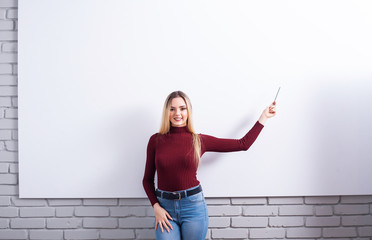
245, 123
125, 134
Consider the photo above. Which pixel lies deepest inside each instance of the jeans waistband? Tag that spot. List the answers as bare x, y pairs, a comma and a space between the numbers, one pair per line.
178, 195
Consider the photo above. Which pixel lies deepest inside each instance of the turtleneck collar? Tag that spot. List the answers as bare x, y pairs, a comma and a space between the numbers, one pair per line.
179, 130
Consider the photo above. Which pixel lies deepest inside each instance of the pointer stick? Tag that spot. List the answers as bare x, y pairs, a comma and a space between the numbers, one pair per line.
277, 94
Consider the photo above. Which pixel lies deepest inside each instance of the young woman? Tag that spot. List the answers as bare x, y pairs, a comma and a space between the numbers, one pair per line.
174, 152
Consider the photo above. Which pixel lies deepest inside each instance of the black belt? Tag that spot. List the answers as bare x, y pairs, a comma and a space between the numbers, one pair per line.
178, 195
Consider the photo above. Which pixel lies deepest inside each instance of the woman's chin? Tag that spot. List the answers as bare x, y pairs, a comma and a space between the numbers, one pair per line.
178, 124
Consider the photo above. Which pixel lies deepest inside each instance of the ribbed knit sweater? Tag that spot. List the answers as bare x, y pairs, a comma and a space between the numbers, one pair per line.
172, 156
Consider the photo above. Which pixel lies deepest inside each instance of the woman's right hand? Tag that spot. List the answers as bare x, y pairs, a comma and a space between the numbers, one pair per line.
161, 216
269, 112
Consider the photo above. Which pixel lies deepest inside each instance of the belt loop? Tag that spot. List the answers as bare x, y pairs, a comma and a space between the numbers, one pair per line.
161, 194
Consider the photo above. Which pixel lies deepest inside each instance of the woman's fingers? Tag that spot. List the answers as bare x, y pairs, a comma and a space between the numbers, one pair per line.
169, 224
169, 216
164, 223
162, 217
161, 227
166, 226
272, 108
159, 223
270, 111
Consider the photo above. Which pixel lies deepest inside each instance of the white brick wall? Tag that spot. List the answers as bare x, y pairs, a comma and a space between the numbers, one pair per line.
310, 218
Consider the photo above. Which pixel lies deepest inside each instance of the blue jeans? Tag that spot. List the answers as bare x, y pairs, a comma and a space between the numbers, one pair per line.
190, 218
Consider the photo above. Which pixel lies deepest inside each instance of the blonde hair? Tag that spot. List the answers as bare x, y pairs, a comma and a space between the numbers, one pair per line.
165, 123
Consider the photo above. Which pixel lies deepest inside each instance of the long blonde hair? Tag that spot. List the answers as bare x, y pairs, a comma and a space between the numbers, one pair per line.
165, 123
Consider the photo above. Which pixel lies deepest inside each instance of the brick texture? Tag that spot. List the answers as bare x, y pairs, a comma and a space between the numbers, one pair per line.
307, 218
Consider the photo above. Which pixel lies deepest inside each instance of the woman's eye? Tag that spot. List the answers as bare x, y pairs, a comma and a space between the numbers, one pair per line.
171, 109
183, 109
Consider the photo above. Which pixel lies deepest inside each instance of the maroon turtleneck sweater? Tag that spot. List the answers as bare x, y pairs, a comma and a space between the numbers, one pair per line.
172, 156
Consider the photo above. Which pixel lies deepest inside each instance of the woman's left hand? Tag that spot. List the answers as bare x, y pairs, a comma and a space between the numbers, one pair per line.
269, 112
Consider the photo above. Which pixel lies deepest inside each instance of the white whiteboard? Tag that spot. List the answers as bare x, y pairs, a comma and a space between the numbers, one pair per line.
93, 75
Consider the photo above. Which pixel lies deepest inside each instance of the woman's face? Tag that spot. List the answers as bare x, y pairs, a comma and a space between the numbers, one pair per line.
178, 112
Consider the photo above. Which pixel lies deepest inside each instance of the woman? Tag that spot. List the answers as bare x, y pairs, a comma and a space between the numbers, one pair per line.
174, 152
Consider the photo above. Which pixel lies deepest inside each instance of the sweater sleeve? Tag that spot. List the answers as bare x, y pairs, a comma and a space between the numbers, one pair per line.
213, 144
150, 168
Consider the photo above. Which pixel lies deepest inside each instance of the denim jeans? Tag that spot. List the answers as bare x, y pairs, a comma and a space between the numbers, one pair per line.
190, 218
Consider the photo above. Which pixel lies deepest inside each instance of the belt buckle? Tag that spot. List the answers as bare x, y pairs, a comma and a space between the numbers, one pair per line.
179, 195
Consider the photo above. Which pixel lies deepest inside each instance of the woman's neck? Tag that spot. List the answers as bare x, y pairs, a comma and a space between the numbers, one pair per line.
182, 129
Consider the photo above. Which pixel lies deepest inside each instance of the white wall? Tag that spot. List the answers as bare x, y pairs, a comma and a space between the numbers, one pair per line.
92, 88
